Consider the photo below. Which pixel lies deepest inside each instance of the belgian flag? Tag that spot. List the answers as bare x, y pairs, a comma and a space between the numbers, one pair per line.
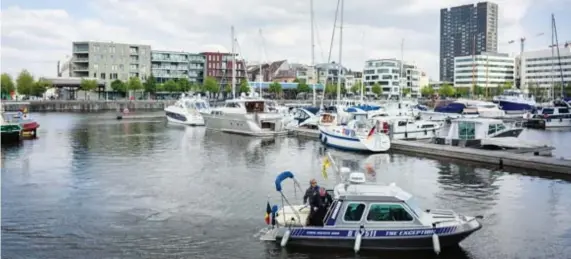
268, 212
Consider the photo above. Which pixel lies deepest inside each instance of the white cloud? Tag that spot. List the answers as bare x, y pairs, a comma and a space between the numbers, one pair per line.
36, 39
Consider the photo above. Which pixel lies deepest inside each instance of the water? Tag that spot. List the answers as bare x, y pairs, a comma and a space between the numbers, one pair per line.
91, 187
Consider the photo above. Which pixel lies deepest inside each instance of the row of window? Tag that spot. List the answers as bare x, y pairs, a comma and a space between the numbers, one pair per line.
376, 213
507, 77
484, 65
556, 76
556, 63
548, 58
490, 60
489, 71
557, 70
119, 67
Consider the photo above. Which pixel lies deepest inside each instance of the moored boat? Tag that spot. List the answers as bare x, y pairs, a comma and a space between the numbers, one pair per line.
360, 134
369, 217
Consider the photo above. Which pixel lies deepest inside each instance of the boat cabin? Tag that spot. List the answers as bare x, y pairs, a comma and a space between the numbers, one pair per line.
470, 131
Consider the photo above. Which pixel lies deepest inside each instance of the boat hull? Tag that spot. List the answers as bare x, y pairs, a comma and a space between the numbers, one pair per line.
240, 126
185, 119
389, 243
377, 143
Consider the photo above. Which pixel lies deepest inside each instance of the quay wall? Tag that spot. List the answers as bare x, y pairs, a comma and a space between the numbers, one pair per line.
86, 106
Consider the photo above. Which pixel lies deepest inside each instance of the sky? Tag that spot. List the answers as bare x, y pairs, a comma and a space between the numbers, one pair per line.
38, 33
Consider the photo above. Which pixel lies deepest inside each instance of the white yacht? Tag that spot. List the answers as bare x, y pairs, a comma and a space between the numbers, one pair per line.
187, 110
557, 114
246, 115
463, 108
406, 127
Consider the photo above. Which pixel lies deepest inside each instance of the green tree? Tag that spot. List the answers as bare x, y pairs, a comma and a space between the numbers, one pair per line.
150, 85
228, 89
134, 84
119, 86
302, 87
170, 86
376, 89
477, 90
275, 88
40, 87
427, 91
507, 85
88, 85
7, 84
25, 83
356, 88
211, 85
406, 91
463, 91
446, 90
160, 88
196, 87
183, 85
244, 87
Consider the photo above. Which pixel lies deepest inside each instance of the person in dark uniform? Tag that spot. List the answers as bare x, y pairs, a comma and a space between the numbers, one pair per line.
311, 191
319, 205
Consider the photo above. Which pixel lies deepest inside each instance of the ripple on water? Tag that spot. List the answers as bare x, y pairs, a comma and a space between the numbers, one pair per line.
147, 189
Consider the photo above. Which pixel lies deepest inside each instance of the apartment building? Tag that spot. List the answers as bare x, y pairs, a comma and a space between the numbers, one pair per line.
166, 65
219, 66
466, 30
485, 70
109, 61
541, 68
387, 73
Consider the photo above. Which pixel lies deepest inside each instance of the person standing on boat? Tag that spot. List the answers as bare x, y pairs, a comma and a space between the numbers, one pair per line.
319, 204
313, 190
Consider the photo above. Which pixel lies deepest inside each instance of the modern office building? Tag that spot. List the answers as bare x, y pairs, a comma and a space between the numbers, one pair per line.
219, 66
174, 65
329, 73
466, 30
484, 70
541, 68
387, 73
109, 61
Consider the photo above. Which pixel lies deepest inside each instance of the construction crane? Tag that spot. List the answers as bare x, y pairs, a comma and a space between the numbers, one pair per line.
522, 41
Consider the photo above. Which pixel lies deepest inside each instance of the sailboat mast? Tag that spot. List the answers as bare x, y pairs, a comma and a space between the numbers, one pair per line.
402, 72
260, 77
233, 66
340, 54
312, 68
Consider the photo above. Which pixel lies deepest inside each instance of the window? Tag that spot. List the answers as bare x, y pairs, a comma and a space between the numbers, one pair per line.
388, 212
466, 130
354, 212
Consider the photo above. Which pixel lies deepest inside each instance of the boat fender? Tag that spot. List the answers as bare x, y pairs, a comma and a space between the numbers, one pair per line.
285, 238
358, 238
435, 241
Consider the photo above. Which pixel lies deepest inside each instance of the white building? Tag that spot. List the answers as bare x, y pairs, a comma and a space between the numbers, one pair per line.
540, 68
484, 70
386, 73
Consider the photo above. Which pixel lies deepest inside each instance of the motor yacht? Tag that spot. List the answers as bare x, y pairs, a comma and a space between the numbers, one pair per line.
187, 110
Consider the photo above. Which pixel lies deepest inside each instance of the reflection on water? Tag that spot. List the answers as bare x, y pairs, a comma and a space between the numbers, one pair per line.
92, 188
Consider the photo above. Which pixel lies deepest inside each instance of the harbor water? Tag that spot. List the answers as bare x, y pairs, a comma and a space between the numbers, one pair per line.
92, 186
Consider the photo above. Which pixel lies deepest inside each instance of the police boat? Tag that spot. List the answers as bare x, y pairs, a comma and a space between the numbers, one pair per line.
367, 216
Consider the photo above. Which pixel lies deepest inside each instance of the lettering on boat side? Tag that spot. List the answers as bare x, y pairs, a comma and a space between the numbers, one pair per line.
371, 233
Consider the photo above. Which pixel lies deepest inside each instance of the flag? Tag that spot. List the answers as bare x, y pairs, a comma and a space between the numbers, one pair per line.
371, 132
326, 164
268, 211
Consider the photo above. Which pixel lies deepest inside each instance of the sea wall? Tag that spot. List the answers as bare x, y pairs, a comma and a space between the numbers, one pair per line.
86, 105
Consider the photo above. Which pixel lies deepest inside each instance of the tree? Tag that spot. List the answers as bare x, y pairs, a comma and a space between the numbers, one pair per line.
88, 85
427, 91
160, 88
406, 91
7, 84
463, 91
446, 90
211, 85
118, 86
150, 86
244, 87
183, 85
134, 84
25, 82
170, 86
356, 88
302, 87
376, 89
228, 89
477, 90
275, 88
40, 87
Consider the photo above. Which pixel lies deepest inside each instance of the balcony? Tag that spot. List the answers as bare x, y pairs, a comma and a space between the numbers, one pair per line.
83, 48
180, 68
80, 68
80, 60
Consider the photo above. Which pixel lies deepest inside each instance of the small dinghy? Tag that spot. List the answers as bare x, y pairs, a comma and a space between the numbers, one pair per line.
368, 217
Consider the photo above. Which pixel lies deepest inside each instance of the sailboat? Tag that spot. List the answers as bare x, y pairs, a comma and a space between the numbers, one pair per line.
360, 133
247, 115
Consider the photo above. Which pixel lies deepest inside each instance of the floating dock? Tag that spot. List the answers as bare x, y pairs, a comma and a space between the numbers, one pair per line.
501, 158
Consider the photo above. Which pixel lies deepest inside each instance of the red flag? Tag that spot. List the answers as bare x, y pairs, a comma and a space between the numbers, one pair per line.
268, 211
371, 132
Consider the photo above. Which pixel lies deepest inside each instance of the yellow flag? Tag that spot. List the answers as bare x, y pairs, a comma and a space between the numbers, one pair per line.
326, 164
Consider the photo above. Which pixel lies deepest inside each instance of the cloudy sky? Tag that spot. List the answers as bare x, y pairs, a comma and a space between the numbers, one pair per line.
38, 33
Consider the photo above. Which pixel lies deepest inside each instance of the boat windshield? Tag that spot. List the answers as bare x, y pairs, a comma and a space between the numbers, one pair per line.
200, 105
411, 202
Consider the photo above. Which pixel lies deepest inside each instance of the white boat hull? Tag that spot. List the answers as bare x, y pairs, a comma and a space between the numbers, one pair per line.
243, 126
440, 116
558, 123
378, 142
